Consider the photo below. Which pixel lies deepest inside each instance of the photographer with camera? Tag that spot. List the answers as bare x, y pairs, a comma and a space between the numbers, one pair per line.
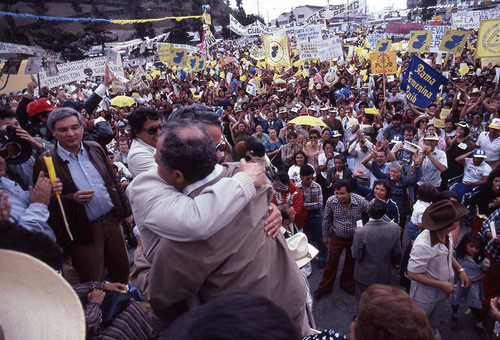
18, 148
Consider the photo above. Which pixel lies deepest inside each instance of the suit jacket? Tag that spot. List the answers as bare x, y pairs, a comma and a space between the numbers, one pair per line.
238, 258
75, 213
375, 248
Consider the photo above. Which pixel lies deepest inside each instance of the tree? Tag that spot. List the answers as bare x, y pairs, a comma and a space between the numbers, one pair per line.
427, 13
291, 17
277, 23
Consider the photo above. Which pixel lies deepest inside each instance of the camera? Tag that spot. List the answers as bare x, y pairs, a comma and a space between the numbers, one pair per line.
12, 148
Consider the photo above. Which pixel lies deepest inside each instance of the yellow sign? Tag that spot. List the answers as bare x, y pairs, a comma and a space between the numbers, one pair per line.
383, 45
439, 123
178, 57
276, 50
454, 41
164, 52
420, 41
444, 113
14, 82
383, 62
208, 19
488, 39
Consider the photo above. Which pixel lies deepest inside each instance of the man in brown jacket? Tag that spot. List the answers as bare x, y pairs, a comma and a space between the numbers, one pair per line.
93, 200
238, 258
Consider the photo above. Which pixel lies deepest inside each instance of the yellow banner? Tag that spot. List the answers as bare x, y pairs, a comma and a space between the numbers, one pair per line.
140, 21
454, 41
383, 45
384, 62
276, 50
164, 52
178, 57
420, 41
488, 39
14, 82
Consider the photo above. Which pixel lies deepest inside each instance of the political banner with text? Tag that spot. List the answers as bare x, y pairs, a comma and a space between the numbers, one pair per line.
8, 48
308, 51
309, 33
329, 49
80, 70
472, 19
383, 62
276, 50
488, 39
420, 41
454, 41
402, 27
421, 83
257, 53
437, 36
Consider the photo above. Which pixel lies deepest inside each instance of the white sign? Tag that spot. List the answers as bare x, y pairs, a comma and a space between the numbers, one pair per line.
472, 19
309, 33
373, 38
329, 49
308, 51
7, 48
80, 70
437, 35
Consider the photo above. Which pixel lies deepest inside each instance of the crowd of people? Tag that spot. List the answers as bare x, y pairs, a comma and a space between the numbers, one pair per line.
212, 182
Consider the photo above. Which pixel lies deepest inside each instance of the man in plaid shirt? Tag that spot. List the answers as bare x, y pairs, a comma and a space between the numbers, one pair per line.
313, 202
491, 284
342, 211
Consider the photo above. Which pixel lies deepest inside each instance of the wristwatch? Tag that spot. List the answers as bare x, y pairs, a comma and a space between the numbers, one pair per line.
461, 270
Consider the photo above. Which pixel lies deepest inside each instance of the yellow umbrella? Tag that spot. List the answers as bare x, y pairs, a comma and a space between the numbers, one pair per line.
122, 101
308, 120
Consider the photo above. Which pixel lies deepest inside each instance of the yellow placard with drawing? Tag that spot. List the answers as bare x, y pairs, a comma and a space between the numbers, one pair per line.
383, 62
420, 41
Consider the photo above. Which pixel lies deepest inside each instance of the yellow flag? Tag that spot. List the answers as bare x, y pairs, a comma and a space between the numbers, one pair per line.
488, 39
464, 69
398, 72
276, 50
453, 41
222, 75
420, 41
371, 111
243, 78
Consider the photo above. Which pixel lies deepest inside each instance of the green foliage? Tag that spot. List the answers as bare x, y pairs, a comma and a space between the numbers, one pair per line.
427, 13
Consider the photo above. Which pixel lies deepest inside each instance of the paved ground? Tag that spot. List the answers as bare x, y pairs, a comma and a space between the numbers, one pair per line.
338, 309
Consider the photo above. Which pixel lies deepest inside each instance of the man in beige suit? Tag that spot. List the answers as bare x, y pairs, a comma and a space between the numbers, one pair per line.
238, 258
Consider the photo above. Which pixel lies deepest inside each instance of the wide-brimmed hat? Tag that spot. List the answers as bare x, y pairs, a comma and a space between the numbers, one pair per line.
463, 124
419, 118
302, 252
442, 214
331, 79
495, 124
311, 108
475, 91
36, 302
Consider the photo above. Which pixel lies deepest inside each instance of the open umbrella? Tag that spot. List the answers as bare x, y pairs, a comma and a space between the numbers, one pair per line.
308, 120
122, 101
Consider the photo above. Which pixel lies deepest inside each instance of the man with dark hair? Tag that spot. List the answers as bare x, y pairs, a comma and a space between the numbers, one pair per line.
375, 249
342, 213
145, 126
394, 128
93, 199
234, 259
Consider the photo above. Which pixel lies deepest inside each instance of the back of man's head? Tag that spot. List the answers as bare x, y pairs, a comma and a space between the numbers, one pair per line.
377, 208
187, 147
196, 113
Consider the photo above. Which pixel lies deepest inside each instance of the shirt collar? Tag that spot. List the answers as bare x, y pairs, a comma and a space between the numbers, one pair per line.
65, 154
144, 144
193, 186
435, 240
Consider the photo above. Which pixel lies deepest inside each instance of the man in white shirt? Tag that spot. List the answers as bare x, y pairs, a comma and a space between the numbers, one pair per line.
490, 142
476, 172
359, 149
435, 161
145, 126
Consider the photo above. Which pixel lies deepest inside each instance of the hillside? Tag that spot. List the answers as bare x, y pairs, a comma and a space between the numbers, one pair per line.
76, 37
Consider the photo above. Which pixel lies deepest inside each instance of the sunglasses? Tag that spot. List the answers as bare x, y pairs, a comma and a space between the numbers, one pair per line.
153, 130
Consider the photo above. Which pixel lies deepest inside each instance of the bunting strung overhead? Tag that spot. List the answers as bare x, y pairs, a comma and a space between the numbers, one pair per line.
113, 21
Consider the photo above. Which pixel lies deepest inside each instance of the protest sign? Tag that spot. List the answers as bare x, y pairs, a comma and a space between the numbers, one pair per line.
8, 48
50, 66
209, 38
33, 65
488, 39
454, 41
373, 38
437, 36
308, 33
138, 81
14, 82
276, 50
178, 57
308, 51
79, 70
383, 45
207, 18
329, 49
383, 62
11, 66
421, 83
402, 28
256, 53
472, 19
420, 41
164, 52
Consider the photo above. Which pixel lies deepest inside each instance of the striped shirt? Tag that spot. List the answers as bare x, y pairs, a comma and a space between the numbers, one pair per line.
493, 248
313, 197
335, 219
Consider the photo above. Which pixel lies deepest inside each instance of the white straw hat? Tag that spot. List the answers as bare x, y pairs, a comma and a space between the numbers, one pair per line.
36, 302
301, 250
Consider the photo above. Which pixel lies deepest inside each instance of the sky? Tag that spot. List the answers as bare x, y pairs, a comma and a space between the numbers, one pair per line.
273, 8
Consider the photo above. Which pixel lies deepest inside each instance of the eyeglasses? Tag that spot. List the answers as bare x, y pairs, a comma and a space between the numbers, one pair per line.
313, 137
153, 130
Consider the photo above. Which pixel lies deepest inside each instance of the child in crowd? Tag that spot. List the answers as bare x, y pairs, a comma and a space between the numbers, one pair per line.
426, 194
470, 254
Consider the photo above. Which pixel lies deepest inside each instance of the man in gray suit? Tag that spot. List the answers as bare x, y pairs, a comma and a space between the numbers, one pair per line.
375, 248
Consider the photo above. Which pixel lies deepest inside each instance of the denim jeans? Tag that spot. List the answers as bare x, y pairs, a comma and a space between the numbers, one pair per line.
314, 234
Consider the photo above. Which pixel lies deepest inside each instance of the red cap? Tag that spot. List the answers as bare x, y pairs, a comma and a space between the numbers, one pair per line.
39, 106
